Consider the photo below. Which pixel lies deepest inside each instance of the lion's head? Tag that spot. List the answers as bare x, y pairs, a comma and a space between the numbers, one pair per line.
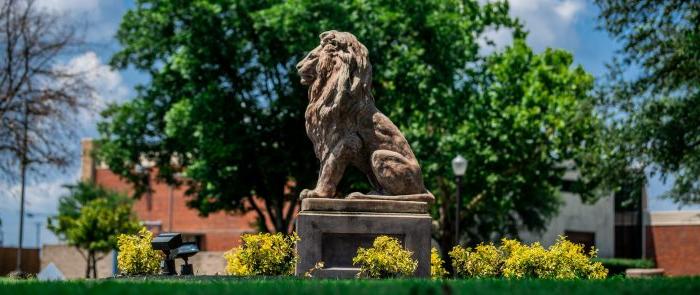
339, 64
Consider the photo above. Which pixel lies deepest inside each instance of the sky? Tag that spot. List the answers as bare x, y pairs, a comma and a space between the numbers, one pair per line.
568, 24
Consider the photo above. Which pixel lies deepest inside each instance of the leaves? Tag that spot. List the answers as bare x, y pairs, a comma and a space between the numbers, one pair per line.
136, 255
385, 259
225, 101
651, 96
263, 254
512, 259
91, 217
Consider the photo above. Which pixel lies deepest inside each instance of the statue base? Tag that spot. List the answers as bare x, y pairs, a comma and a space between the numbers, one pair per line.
331, 230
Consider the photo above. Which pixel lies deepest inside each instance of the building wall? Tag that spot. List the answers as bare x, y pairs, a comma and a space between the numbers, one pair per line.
673, 241
220, 231
72, 264
574, 215
8, 260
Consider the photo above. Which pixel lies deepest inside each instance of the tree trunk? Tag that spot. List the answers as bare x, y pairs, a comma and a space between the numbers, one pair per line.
94, 265
87, 267
91, 269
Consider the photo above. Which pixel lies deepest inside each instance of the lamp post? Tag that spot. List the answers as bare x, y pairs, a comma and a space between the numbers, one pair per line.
459, 166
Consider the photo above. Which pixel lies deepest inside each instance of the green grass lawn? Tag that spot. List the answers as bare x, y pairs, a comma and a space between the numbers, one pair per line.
655, 286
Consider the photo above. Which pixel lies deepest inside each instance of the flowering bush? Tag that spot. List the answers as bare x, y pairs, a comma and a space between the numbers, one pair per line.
136, 256
563, 260
385, 259
484, 261
437, 271
263, 254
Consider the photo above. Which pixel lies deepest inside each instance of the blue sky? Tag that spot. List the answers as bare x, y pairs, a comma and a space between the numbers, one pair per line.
569, 24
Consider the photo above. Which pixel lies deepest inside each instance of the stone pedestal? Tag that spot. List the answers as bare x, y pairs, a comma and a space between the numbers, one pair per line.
331, 230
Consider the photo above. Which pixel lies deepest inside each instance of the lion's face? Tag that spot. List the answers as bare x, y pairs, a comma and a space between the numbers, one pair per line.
340, 58
306, 68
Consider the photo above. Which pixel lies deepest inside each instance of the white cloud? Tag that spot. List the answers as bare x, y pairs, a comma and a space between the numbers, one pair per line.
102, 17
551, 23
70, 6
107, 84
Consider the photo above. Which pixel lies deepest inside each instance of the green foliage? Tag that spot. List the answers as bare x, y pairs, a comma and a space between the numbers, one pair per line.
483, 262
618, 266
512, 259
437, 268
91, 217
203, 285
263, 254
225, 100
136, 256
385, 259
652, 94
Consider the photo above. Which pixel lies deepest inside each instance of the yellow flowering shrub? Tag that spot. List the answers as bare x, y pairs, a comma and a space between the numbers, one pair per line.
385, 259
482, 262
512, 259
523, 261
437, 270
263, 254
136, 256
571, 261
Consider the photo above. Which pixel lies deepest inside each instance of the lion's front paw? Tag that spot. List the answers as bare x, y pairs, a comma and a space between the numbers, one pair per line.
307, 193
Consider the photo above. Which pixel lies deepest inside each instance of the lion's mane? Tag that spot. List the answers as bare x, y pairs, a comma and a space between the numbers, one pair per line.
341, 94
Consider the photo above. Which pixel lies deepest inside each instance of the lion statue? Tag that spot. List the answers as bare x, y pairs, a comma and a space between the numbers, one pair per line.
346, 128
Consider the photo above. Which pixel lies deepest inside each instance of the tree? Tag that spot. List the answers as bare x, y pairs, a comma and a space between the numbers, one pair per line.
37, 96
90, 218
652, 99
224, 98
225, 101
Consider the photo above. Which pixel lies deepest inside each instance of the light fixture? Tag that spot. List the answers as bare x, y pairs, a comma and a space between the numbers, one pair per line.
459, 165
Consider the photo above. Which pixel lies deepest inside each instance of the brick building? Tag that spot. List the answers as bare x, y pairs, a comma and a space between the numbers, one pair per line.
164, 209
673, 241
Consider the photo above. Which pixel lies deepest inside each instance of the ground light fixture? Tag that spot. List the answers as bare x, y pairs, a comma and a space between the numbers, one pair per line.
172, 246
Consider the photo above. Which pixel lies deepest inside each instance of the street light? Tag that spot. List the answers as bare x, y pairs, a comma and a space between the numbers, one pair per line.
459, 166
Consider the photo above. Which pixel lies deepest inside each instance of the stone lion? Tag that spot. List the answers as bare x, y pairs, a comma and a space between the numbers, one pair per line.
346, 128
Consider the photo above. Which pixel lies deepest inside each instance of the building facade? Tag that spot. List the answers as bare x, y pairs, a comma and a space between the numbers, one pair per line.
673, 241
587, 224
164, 209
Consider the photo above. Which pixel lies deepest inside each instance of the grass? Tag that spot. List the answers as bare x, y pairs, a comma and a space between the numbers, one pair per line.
676, 286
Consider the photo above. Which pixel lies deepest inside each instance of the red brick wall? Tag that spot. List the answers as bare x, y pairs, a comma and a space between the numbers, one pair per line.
221, 231
675, 248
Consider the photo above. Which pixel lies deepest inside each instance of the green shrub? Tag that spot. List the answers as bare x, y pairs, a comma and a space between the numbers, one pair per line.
385, 259
136, 256
482, 262
437, 270
512, 259
263, 254
618, 266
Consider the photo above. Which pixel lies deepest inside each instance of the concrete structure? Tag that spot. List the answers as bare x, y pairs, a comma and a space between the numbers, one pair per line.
673, 241
588, 224
72, 264
331, 230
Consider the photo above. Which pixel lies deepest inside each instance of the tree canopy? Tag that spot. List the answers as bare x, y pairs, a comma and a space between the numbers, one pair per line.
225, 102
652, 97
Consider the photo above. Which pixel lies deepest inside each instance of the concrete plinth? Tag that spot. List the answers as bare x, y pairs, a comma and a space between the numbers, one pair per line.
331, 230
